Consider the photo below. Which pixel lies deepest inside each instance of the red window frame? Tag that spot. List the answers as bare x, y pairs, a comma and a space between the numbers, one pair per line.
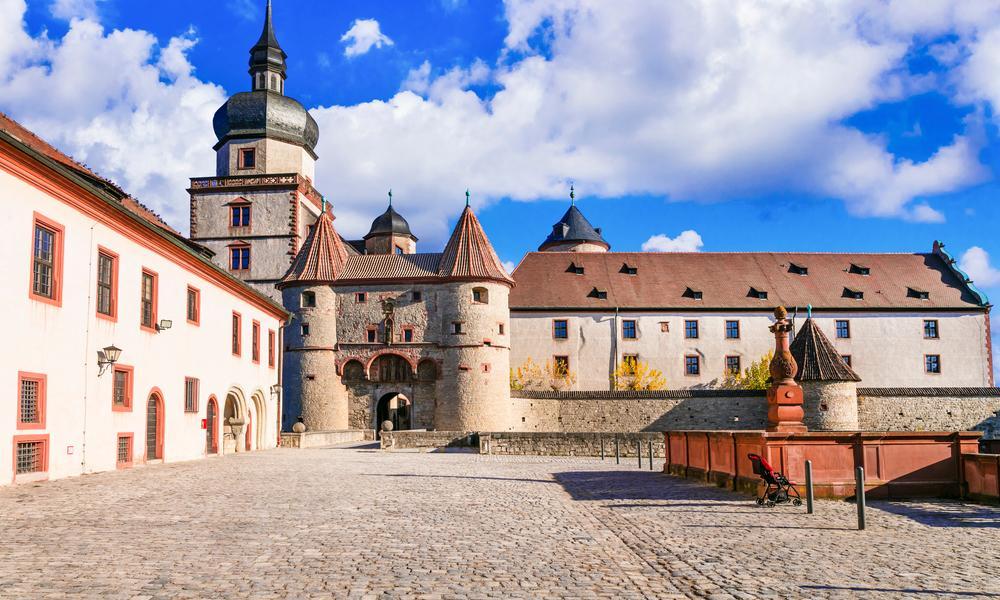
156, 294
270, 348
241, 159
43, 385
113, 316
255, 341
697, 364
408, 332
371, 334
129, 387
196, 386
131, 450
236, 218
59, 232
43, 472
249, 262
236, 337
197, 305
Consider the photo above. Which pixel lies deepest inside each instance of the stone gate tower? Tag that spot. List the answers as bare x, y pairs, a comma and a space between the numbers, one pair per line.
256, 210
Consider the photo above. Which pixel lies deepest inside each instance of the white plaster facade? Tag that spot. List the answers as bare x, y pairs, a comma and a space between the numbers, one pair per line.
887, 349
61, 341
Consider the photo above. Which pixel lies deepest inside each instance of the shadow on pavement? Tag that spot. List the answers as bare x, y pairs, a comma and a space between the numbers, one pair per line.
639, 485
944, 513
838, 588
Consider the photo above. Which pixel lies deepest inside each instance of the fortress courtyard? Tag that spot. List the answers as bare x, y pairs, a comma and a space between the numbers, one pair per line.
355, 522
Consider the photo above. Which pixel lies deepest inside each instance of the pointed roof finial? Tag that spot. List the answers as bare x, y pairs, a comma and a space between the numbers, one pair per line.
572, 195
467, 197
390, 196
809, 311
322, 199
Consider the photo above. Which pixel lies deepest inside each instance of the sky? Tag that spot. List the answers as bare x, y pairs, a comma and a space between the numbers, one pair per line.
712, 125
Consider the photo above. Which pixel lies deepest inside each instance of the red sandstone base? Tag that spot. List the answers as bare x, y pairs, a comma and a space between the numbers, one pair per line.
897, 464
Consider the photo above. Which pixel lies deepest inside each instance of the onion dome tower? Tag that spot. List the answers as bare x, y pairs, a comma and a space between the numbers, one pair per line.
574, 233
829, 384
390, 234
476, 336
311, 386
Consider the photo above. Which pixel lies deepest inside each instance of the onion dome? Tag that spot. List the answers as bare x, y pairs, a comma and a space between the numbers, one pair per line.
321, 258
390, 223
573, 227
817, 358
469, 254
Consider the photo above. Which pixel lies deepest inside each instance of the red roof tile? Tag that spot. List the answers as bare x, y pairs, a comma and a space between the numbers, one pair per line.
29, 139
321, 258
391, 266
469, 254
725, 281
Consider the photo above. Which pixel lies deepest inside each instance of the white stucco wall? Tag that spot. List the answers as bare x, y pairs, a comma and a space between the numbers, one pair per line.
887, 349
62, 343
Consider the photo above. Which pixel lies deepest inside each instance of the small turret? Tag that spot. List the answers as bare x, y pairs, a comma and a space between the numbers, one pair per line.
574, 233
390, 234
829, 384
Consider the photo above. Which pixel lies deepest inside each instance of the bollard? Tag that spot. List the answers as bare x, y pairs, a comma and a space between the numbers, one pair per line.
650, 456
859, 497
809, 487
602, 447
618, 459
638, 451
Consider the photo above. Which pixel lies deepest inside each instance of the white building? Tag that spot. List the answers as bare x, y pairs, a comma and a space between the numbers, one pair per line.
899, 320
89, 269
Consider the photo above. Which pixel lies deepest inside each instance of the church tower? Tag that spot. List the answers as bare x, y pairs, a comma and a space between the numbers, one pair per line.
256, 210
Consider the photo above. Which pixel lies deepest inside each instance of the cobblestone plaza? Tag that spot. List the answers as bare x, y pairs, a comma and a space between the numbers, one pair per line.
360, 523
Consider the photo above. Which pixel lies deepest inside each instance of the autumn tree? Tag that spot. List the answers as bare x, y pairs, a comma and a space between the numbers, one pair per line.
637, 375
554, 375
757, 376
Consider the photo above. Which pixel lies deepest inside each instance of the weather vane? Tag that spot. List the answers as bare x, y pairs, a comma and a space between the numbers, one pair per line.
466, 196
572, 195
390, 196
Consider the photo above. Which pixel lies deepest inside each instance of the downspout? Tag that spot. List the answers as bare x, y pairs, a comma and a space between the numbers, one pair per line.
280, 342
86, 351
614, 349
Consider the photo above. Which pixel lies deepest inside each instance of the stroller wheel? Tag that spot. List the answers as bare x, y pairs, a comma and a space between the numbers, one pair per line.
760, 501
770, 504
797, 502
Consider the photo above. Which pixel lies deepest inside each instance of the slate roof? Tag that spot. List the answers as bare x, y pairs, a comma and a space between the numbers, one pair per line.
573, 227
469, 254
818, 360
321, 258
724, 281
390, 222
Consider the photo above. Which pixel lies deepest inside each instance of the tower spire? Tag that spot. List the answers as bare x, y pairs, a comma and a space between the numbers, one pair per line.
390, 196
267, 59
466, 197
572, 195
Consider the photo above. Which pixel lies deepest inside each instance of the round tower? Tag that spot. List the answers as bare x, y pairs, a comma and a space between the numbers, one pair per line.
475, 315
312, 387
390, 234
829, 385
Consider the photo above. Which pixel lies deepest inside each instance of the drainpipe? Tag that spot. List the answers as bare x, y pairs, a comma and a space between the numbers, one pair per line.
280, 342
614, 348
86, 352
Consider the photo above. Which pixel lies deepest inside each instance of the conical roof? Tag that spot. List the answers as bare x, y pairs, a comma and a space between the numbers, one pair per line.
469, 254
818, 360
573, 227
390, 223
321, 258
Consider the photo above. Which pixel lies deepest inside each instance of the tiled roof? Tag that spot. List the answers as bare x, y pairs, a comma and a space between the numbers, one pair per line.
818, 360
724, 281
29, 139
391, 266
573, 227
322, 256
469, 254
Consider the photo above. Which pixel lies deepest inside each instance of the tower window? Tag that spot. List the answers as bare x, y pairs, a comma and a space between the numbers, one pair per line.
239, 258
480, 296
397, 250
248, 158
308, 299
408, 335
361, 297
370, 335
305, 329
456, 328
847, 359
239, 215
417, 296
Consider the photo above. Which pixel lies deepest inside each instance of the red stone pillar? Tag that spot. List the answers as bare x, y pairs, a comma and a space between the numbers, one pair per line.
784, 397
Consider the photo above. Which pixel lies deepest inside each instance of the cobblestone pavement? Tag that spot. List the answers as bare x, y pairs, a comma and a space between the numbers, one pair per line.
359, 523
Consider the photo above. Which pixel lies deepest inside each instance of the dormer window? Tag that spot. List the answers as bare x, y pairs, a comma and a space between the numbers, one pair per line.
859, 270
918, 294
854, 294
795, 269
628, 270
248, 158
756, 293
598, 294
692, 294
573, 268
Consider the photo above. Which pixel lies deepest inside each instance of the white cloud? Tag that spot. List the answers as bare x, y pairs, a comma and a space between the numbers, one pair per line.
976, 264
363, 34
687, 241
245, 9
509, 266
74, 9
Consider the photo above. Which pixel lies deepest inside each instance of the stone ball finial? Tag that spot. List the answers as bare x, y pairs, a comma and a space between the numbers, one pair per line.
387, 425
780, 313
299, 426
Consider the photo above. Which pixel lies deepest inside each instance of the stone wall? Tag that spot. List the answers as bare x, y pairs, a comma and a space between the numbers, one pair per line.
572, 444
930, 409
428, 440
605, 411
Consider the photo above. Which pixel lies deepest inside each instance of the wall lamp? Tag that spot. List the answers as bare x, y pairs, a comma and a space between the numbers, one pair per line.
164, 324
107, 357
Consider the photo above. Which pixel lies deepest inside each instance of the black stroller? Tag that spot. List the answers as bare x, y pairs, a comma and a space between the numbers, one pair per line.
779, 490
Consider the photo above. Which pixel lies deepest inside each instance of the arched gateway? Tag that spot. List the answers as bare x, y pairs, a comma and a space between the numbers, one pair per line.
395, 408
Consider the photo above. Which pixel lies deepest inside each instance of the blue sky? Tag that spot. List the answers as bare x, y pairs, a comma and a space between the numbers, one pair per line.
834, 126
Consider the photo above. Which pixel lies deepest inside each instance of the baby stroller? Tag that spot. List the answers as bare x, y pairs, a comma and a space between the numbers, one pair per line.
779, 490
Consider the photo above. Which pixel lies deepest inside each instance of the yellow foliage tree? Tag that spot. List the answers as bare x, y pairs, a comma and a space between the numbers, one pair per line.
637, 375
755, 377
532, 376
